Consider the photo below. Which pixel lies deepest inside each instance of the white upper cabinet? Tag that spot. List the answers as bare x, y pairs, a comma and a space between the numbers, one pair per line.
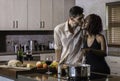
58, 12
33, 14
46, 14
39, 14
5, 14
13, 14
61, 11
20, 14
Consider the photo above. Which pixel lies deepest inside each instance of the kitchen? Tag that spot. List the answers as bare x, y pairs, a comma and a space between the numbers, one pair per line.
18, 25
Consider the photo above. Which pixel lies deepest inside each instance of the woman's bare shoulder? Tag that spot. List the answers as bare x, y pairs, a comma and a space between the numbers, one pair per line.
100, 37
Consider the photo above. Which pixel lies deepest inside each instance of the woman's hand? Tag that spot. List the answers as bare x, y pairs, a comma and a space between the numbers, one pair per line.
85, 51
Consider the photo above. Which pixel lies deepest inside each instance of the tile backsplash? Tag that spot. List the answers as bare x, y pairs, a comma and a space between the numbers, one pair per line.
11, 40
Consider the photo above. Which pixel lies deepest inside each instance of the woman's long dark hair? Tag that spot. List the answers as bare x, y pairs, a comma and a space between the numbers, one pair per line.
95, 25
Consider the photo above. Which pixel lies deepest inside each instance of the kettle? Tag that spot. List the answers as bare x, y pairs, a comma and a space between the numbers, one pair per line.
51, 45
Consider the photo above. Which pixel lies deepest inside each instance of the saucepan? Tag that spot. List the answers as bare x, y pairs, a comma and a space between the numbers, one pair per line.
78, 70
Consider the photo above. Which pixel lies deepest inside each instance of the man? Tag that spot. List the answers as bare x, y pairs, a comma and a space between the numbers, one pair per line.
68, 37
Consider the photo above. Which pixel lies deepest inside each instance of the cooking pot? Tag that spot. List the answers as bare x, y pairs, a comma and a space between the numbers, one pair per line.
78, 71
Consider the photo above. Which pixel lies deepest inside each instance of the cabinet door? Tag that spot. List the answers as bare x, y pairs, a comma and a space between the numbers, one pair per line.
114, 64
58, 12
46, 14
13, 15
6, 14
7, 57
43, 56
61, 11
33, 14
20, 14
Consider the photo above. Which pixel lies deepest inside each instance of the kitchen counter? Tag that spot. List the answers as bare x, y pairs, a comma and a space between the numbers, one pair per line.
44, 77
34, 52
39, 75
13, 73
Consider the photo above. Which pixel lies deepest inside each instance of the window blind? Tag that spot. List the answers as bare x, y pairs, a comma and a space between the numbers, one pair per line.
113, 33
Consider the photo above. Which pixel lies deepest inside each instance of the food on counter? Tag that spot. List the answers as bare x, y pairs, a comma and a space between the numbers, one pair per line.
54, 64
45, 66
41, 64
14, 63
30, 65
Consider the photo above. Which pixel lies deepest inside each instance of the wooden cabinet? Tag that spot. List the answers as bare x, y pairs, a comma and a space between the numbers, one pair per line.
33, 14
13, 15
114, 64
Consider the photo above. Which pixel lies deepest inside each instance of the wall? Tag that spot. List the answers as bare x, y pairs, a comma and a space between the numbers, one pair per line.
95, 6
11, 40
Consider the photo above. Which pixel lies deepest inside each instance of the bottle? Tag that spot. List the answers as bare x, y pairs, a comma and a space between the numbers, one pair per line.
20, 54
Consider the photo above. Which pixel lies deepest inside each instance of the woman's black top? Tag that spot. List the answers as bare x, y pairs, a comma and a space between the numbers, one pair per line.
98, 63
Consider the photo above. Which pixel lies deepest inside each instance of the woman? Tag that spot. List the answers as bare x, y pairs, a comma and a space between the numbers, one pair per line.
95, 45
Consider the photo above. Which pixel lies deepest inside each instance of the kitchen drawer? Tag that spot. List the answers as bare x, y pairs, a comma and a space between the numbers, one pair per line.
43, 56
113, 61
115, 71
114, 64
36, 58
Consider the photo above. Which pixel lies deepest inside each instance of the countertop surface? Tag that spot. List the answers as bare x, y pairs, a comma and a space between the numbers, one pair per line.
34, 52
40, 75
54, 77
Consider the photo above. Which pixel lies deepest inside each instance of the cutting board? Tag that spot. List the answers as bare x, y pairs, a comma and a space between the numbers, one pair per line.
13, 72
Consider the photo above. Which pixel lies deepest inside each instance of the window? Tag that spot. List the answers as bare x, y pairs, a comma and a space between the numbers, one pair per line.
113, 32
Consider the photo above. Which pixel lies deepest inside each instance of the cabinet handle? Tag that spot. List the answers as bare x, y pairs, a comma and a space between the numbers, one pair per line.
43, 24
13, 24
16, 24
40, 24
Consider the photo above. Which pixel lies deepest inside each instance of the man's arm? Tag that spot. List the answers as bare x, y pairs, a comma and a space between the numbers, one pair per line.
57, 45
57, 55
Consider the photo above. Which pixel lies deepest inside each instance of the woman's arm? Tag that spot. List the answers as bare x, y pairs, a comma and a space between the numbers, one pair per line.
102, 42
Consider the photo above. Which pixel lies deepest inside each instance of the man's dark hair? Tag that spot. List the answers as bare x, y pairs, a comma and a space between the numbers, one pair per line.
75, 11
95, 24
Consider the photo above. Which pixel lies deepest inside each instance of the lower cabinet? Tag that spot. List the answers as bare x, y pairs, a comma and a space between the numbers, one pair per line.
44, 56
37, 57
7, 57
114, 64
